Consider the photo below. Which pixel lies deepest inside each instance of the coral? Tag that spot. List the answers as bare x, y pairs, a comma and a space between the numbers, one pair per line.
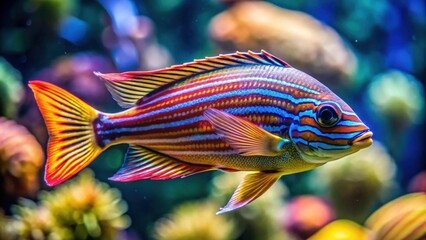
7, 227
296, 37
304, 215
21, 158
357, 181
342, 230
398, 101
89, 209
195, 221
259, 219
79, 209
35, 222
11, 91
402, 218
418, 183
398, 97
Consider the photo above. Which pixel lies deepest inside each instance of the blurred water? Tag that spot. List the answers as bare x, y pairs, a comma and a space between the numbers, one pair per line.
364, 40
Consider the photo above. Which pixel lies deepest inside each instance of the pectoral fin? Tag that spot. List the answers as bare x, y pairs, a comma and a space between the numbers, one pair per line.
252, 187
244, 136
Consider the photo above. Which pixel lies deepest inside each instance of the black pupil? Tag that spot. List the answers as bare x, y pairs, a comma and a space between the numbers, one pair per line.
328, 115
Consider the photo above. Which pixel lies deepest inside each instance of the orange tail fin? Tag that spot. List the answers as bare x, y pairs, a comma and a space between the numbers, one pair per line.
72, 144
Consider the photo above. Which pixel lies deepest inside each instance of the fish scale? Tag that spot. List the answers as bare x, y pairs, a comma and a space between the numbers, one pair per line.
235, 112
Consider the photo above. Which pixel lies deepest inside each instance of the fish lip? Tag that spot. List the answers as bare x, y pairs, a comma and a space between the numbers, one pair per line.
363, 139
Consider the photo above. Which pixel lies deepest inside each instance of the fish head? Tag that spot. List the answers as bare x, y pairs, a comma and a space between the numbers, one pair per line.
328, 131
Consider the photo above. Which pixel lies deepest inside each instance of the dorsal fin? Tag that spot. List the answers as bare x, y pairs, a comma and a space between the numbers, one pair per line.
128, 87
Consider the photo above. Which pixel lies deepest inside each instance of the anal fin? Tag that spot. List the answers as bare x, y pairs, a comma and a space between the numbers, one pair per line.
252, 187
142, 163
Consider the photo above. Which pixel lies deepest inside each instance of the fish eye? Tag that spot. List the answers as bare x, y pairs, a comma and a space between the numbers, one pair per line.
328, 116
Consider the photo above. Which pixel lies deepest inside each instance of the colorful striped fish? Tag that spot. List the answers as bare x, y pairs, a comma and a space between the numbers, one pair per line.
236, 112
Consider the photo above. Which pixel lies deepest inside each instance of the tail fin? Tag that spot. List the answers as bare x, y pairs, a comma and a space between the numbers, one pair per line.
72, 144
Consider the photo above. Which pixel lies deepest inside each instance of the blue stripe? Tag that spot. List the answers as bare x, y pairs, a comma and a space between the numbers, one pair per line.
273, 129
326, 146
306, 113
235, 111
153, 126
260, 109
202, 137
316, 131
235, 93
348, 123
320, 145
207, 99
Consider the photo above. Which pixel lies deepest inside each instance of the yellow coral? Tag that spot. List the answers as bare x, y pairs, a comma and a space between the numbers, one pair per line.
36, 222
87, 207
342, 230
193, 221
79, 209
7, 227
402, 218
398, 96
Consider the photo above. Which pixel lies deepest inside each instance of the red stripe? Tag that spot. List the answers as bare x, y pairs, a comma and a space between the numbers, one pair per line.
190, 112
208, 145
336, 129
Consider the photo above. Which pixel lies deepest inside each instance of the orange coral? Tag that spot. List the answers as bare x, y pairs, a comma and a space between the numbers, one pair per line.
294, 36
21, 157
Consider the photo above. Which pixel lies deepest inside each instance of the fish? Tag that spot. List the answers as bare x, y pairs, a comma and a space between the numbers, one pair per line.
245, 111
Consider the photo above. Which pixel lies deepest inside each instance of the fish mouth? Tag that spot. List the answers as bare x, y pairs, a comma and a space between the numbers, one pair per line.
362, 140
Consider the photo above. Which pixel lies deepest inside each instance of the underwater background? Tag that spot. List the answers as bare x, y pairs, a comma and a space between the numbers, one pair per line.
371, 53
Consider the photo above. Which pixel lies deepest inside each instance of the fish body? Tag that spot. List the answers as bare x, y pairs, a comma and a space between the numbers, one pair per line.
237, 112
172, 122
